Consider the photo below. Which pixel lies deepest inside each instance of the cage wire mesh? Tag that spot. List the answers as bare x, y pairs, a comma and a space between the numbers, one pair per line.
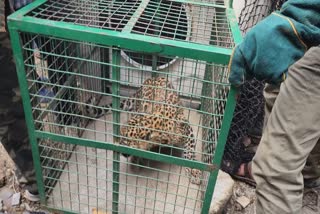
62, 164
105, 95
86, 182
157, 18
249, 112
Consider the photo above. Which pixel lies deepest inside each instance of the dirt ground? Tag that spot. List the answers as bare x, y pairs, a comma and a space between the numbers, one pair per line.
11, 187
241, 190
311, 200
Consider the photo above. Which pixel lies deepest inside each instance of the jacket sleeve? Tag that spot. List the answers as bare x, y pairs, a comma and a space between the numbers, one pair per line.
276, 42
305, 15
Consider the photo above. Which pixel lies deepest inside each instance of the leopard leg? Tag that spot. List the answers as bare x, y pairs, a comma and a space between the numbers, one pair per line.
189, 153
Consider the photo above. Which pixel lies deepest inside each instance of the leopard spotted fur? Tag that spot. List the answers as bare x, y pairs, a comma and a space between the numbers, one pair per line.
158, 118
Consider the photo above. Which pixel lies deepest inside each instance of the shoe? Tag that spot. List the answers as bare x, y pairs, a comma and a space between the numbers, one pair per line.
247, 177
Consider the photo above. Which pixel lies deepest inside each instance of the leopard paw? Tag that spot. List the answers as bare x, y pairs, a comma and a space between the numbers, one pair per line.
194, 175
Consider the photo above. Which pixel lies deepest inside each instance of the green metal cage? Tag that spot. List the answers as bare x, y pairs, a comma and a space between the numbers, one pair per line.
70, 51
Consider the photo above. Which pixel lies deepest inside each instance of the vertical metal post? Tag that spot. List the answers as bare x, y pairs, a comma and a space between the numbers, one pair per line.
17, 50
116, 57
105, 73
230, 3
154, 72
220, 149
155, 57
206, 87
209, 74
227, 119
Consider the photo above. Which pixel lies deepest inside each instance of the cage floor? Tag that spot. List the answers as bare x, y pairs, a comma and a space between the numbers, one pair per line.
158, 188
143, 196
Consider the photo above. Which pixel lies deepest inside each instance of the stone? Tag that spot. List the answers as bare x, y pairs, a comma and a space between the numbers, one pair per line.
8, 173
5, 193
222, 192
243, 201
15, 201
18, 209
27, 207
22, 206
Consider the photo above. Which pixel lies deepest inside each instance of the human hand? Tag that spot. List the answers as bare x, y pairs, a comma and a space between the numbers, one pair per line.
267, 51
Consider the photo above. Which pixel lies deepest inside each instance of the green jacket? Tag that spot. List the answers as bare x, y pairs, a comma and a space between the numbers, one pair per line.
275, 43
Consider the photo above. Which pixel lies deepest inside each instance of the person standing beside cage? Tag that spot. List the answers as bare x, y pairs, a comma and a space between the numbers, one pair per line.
13, 129
284, 51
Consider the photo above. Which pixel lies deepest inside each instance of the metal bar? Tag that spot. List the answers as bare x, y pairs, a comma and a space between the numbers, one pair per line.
155, 57
154, 72
18, 55
227, 119
59, 210
134, 18
230, 3
228, 115
206, 87
124, 149
208, 75
142, 43
200, 3
116, 59
58, 95
147, 44
233, 22
105, 71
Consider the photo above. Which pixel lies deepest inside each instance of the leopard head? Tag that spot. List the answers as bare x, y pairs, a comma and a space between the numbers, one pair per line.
140, 132
135, 137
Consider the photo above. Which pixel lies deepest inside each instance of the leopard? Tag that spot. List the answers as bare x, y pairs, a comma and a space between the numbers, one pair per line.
143, 100
157, 119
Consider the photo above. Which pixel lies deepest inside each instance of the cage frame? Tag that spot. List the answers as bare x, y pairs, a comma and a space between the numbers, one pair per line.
18, 22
